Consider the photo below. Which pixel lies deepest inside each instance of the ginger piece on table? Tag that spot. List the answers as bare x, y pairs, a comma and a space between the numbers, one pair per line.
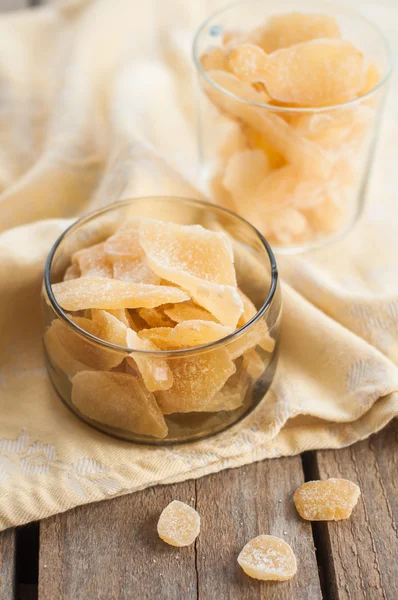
268, 558
329, 500
179, 524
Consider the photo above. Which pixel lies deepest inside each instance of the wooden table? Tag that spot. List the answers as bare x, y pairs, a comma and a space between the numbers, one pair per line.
110, 550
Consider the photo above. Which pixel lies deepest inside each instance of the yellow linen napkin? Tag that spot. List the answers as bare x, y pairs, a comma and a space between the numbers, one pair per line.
96, 105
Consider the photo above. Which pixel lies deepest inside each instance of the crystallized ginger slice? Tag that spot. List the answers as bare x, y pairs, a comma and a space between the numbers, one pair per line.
155, 317
110, 328
253, 363
118, 400
179, 524
99, 292
244, 172
198, 260
282, 31
268, 558
186, 335
188, 311
280, 136
314, 73
124, 251
123, 315
214, 58
72, 272
196, 381
59, 355
70, 350
231, 395
330, 500
154, 371
93, 262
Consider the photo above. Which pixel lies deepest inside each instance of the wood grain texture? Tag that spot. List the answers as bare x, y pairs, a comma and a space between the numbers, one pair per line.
362, 552
238, 505
111, 551
7, 565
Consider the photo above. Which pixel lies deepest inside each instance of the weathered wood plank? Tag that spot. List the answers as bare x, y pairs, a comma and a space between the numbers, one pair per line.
111, 551
7, 565
236, 506
361, 553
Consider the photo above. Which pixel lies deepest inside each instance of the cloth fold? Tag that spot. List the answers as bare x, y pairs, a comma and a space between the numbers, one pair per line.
97, 104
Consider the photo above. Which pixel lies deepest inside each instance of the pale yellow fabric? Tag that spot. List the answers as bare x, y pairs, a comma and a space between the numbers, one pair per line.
97, 104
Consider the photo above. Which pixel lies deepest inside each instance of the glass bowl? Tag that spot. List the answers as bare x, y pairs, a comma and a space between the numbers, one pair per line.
226, 378
298, 174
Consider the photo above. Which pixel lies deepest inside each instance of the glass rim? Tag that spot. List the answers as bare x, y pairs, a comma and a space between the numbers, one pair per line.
294, 109
160, 353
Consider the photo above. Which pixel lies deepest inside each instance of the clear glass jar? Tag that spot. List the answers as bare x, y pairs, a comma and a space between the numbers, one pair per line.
226, 379
303, 174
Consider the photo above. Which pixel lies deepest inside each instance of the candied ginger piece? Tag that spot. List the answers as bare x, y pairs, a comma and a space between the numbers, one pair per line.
333, 129
110, 328
257, 334
253, 363
72, 272
330, 500
179, 524
329, 214
118, 400
127, 269
280, 136
154, 371
198, 333
248, 62
282, 31
371, 80
64, 343
59, 355
258, 141
158, 336
233, 141
314, 73
155, 317
232, 394
99, 292
261, 333
188, 311
122, 315
268, 558
124, 251
214, 58
196, 381
244, 172
198, 260
93, 261
187, 334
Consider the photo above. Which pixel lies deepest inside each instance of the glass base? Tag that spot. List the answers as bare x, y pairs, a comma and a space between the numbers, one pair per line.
183, 427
